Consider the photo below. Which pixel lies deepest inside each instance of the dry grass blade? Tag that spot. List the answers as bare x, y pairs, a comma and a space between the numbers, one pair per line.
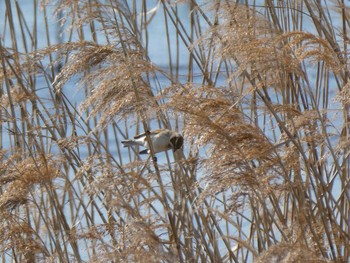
259, 92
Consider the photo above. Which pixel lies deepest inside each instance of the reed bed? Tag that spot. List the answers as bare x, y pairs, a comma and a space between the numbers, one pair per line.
259, 90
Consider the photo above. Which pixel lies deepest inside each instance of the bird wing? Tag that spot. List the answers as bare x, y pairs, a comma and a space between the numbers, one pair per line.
144, 151
153, 132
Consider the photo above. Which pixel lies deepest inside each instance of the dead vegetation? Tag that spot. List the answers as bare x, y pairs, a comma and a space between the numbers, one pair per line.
262, 101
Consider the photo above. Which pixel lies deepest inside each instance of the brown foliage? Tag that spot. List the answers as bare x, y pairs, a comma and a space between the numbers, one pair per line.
263, 174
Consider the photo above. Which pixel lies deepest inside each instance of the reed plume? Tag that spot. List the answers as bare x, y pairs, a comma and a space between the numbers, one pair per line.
260, 94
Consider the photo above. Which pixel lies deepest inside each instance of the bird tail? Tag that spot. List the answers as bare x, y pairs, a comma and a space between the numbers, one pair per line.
144, 151
128, 143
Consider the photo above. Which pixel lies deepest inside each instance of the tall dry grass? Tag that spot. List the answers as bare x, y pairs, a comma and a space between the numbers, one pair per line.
262, 100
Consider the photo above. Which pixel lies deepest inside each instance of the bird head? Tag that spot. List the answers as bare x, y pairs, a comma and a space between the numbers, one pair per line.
176, 141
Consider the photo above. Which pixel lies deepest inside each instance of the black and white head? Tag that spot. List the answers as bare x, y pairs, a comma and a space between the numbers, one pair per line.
176, 141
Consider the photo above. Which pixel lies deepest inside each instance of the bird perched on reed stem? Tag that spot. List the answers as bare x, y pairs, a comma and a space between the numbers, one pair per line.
162, 140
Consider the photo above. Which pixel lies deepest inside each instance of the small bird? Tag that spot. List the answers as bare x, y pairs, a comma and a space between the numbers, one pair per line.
162, 140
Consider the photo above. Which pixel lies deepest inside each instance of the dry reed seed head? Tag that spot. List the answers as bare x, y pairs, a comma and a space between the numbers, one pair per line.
240, 154
343, 96
118, 84
287, 109
229, 172
15, 194
16, 234
94, 167
99, 235
250, 40
119, 185
307, 46
32, 169
96, 232
18, 95
86, 56
20, 175
102, 180
73, 141
307, 120
141, 244
86, 166
204, 107
17, 67
108, 18
269, 56
308, 126
290, 158
213, 119
285, 253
